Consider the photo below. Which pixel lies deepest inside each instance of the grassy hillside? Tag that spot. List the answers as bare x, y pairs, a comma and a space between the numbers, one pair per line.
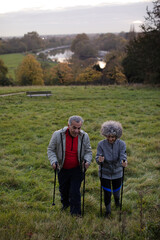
26, 178
12, 61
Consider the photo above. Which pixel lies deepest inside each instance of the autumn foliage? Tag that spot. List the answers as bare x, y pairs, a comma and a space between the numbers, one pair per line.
4, 79
59, 74
30, 72
113, 71
89, 75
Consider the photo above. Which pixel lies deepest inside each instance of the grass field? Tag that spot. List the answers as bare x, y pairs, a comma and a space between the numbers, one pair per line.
12, 61
26, 177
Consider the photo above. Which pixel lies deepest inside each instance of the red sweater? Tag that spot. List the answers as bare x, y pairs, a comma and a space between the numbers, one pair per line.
71, 154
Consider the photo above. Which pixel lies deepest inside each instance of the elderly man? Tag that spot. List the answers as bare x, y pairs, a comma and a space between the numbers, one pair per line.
69, 150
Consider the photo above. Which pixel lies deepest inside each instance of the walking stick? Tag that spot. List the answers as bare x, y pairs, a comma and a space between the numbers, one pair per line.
55, 172
101, 190
121, 196
84, 181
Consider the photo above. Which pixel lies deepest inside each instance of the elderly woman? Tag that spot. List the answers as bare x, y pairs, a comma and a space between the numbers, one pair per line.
111, 155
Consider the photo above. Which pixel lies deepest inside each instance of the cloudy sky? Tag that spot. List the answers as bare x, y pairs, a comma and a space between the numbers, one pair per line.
71, 16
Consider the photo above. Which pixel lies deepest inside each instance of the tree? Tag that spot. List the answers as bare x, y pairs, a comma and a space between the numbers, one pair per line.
4, 80
89, 75
12, 45
3, 68
113, 72
78, 65
30, 72
33, 41
132, 33
110, 42
152, 20
142, 60
83, 48
59, 74
79, 38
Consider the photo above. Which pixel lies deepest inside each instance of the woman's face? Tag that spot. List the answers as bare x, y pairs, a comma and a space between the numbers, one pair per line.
111, 138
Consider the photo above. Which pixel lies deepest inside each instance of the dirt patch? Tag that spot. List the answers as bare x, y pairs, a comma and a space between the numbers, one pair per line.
10, 94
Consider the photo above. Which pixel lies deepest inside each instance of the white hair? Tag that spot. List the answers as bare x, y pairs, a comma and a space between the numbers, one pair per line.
76, 119
111, 128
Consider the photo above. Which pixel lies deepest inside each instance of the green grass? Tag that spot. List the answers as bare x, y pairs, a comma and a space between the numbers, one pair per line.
12, 61
26, 178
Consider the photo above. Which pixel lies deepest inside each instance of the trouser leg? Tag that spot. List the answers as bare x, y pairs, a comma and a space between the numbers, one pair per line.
64, 184
116, 184
75, 196
106, 183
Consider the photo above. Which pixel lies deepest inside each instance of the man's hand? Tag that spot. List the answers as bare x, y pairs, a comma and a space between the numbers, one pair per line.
86, 165
54, 165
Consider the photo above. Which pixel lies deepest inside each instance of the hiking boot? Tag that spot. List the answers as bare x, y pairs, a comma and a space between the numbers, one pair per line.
117, 203
107, 214
64, 208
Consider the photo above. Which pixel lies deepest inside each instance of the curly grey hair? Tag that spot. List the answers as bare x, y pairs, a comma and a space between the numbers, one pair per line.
111, 128
76, 119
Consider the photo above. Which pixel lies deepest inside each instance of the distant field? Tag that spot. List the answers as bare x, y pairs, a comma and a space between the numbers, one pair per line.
26, 177
12, 61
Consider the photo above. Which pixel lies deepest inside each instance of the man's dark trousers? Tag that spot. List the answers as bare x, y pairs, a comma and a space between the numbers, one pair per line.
69, 187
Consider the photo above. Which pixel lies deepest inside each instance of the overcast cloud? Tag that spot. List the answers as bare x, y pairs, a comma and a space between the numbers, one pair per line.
93, 19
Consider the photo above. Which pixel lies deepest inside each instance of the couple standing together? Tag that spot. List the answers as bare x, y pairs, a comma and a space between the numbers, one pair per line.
70, 152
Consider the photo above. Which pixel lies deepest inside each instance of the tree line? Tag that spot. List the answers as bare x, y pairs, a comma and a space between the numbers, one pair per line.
32, 42
132, 57
142, 61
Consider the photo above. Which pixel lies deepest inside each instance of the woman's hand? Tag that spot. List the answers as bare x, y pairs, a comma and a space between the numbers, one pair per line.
124, 164
101, 159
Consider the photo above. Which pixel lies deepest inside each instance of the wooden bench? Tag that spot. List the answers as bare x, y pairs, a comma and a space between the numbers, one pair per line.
39, 94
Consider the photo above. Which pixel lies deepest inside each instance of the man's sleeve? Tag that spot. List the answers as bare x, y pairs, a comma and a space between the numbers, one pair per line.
51, 150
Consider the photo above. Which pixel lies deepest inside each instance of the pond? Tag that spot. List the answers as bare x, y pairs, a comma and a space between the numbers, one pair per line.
63, 56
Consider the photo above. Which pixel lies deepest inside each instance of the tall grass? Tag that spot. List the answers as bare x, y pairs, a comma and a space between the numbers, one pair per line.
26, 178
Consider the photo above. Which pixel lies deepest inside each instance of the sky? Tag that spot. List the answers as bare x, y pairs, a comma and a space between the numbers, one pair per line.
54, 17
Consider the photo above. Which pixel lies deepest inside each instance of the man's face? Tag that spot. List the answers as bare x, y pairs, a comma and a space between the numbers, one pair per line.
75, 128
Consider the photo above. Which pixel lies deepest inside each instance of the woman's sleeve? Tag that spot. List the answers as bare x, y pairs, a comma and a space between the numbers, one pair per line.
99, 152
123, 154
